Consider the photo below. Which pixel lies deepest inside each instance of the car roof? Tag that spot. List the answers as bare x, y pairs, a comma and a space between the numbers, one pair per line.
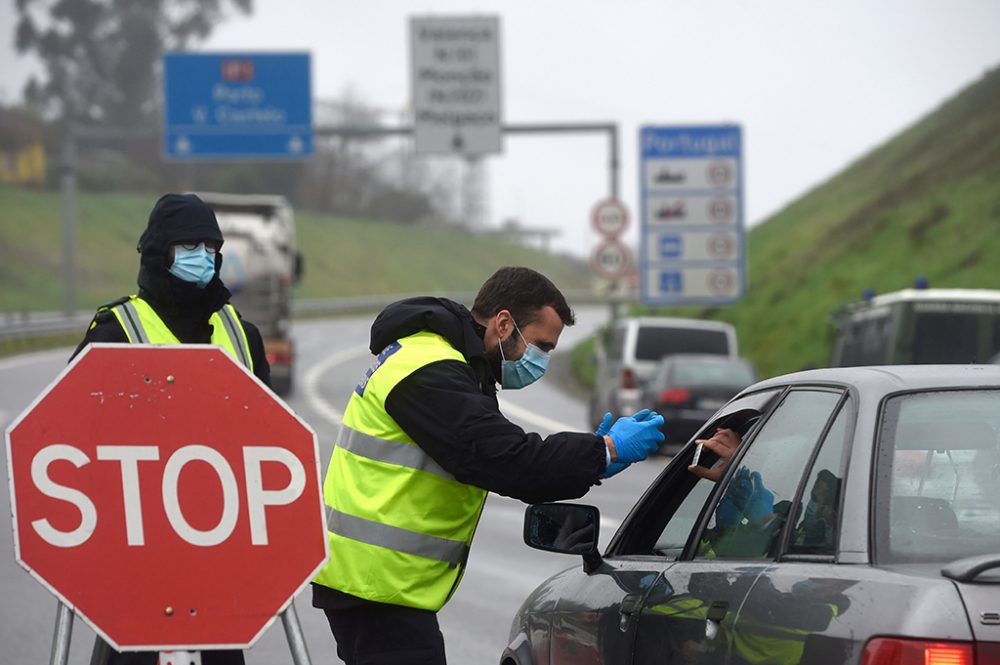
716, 358
892, 378
672, 322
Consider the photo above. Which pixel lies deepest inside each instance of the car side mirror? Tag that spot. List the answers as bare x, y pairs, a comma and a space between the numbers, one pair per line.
566, 528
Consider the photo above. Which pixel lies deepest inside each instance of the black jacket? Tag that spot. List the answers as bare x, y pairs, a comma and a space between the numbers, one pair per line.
450, 409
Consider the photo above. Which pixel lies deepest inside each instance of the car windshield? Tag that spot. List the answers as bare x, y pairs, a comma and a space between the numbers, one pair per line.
710, 372
654, 342
939, 476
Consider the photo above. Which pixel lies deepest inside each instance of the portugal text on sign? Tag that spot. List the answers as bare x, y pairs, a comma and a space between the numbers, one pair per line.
692, 246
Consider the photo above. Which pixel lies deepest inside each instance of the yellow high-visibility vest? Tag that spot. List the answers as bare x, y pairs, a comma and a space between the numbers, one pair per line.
142, 325
399, 525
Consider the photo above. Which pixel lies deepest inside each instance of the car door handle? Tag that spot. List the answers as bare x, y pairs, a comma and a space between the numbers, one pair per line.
716, 613
631, 604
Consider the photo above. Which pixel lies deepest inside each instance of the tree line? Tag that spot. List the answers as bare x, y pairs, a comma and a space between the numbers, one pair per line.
101, 69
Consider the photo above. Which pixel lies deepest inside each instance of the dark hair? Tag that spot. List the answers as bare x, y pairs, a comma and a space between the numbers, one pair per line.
524, 292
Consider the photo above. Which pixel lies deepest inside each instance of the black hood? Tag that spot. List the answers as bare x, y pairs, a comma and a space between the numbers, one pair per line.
183, 306
178, 218
445, 317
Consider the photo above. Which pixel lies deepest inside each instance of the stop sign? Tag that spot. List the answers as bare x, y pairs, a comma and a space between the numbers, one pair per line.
166, 496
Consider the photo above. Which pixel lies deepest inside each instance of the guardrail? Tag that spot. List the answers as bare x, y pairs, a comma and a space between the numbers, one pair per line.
23, 325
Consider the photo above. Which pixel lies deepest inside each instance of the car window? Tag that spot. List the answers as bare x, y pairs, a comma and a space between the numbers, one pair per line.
654, 342
757, 498
938, 483
817, 518
677, 501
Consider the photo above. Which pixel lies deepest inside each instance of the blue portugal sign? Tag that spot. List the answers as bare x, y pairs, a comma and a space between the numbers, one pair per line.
692, 246
237, 105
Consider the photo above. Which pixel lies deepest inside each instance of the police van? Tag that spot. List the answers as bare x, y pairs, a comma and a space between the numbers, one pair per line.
919, 326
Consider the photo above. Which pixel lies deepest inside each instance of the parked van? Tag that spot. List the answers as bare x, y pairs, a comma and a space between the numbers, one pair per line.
919, 326
628, 354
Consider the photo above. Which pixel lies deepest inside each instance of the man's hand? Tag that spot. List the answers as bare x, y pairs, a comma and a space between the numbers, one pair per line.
724, 444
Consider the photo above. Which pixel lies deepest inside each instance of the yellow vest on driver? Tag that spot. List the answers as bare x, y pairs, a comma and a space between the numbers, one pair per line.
142, 325
399, 525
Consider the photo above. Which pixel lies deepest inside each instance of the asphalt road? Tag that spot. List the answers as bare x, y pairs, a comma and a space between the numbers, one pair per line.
332, 355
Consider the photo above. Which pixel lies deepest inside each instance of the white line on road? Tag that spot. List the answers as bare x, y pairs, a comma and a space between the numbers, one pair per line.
319, 403
535, 419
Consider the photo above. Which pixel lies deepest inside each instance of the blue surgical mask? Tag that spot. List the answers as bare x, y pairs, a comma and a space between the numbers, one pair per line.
527, 369
193, 265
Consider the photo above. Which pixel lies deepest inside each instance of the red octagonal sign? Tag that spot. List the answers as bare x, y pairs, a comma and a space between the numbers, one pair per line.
166, 496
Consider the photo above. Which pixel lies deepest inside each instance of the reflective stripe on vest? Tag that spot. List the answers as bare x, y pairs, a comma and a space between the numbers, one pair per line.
452, 552
399, 525
142, 325
392, 452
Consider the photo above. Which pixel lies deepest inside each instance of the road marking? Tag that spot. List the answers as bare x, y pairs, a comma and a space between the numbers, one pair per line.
535, 419
311, 382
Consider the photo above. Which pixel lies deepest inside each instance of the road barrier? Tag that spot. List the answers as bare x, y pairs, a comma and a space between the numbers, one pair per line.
26, 325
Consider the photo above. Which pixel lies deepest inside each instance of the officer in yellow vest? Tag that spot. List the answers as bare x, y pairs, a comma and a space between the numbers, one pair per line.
181, 300
423, 442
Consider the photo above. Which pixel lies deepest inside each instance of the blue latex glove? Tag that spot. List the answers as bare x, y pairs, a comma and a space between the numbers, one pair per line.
746, 497
761, 504
635, 439
605, 425
604, 428
645, 414
606, 421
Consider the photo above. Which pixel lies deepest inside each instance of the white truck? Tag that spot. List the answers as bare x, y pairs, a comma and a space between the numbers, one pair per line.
260, 266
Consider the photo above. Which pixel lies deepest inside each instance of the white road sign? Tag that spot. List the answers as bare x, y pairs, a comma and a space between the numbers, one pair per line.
609, 217
611, 259
456, 84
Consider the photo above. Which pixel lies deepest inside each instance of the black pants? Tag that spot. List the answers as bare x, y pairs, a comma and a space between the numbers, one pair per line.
377, 634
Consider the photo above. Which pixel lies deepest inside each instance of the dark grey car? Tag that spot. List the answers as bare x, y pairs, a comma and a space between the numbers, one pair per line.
858, 522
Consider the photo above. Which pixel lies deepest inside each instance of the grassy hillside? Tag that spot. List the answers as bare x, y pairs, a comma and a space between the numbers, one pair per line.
927, 203
343, 257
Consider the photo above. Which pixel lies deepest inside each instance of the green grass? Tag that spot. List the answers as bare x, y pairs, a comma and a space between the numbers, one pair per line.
343, 257
924, 204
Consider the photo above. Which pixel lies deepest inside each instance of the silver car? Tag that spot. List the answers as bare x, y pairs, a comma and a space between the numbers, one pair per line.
858, 522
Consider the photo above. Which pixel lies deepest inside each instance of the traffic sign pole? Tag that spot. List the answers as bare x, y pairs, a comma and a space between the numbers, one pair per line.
61, 636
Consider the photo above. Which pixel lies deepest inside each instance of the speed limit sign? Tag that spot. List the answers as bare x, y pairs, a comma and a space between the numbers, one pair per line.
609, 217
611, 259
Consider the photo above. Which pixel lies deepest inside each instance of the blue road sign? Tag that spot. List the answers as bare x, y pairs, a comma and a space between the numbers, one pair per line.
237, 105
692, 241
